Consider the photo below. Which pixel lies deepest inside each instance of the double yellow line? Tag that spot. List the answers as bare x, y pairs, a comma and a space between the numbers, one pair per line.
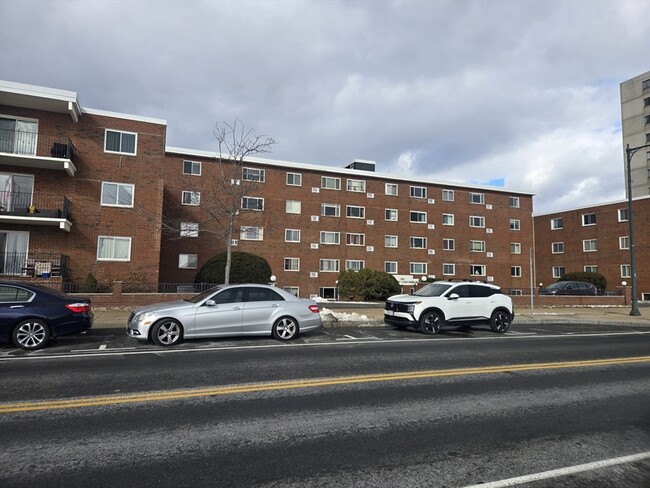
96, 401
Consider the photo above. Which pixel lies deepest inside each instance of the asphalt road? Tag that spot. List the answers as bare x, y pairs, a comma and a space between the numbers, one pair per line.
338, 407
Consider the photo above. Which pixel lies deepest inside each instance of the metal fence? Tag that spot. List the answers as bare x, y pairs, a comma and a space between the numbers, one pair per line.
133, 287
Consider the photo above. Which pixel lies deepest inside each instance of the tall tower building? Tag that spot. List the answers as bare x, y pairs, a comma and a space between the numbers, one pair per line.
635, 115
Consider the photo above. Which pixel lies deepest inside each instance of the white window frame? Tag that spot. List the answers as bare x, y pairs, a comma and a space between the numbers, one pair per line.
477, 269
189, 229
558, 271
557, 247
418, 191
388, 239
557, 223
476, 246
417, 268
122, 133
390, 267
515, 248
253, 174
448, 269
119, 186
289, 235
330, 238
590, 245
246, 231
113, 239
447, 219
389, 213
246, 201
193, 167
590, 268
357, 186
194, 198
515, 224
351, 208
354, 264
586, 217
515, 271
391, 189
330, 183
188, 261
626, 271
417, 213
448, 244
480, 221
333, 265
415, 240
294, 206
477, 198
294, 179
294, 290
624, 242
622, 214
294, 264
513, 202
448, 195
351, 237
335, 206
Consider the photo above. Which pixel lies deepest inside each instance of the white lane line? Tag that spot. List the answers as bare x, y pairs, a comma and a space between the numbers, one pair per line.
554, 473
102, 347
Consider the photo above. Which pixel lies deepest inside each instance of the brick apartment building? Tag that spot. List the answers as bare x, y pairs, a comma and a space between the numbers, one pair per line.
595, 238
88, 191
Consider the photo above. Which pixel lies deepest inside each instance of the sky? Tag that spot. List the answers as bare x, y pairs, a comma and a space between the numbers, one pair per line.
523, 95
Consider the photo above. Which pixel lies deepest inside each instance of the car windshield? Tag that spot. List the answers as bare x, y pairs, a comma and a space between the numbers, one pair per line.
555, 285
432, 290
202, 296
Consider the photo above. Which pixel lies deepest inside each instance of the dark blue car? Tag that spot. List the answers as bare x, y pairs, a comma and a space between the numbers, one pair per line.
32, 314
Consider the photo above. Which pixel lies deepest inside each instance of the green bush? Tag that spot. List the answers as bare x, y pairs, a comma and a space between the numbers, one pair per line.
244, 268
367, 285
89, 284
596, 278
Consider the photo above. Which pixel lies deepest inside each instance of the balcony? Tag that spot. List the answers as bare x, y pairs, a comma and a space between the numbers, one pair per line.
35, 209
36, 150
33, 265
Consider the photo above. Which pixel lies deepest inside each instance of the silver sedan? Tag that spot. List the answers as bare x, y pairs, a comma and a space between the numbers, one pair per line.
226, 310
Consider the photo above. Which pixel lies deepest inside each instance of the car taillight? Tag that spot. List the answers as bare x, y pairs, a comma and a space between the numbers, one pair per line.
78, 307
314, 308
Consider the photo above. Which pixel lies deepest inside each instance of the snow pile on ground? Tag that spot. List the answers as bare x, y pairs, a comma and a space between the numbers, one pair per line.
344, 316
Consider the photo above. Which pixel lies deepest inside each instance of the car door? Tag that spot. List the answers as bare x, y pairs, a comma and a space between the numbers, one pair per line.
484, 301
221, 314
461, 307
262, 308
13, 301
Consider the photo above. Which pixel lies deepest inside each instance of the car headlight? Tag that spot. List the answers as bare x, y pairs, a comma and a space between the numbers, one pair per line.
145, 318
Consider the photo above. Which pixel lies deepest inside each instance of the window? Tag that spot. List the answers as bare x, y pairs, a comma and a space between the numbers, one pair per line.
626, 271
354, 265
447, 219
390, 267
477, 269
252, 174
647, 119
329, 265
475, 221
292, 264
557, 247
331, 238
391, 214
418, 242
418, 268
646, 85
419, 217
391, 189
247, 233
477, 198
449, 244
477, 246
515, 271
120, 142
513, 202
624, 242
191, 198
294, 290
558, 271
418, 192
516, 292
589, 245
448, 269
515, 224
591, 269
117, 194
292, 235
294, 179
557, 224
622, 214
515, 248
189, 229
294, 206
187, 261
192, 168
448, 195
330, 183
390, 241
355, 240
589, 219
252, 203
18, 136
113, 248
330, 210
354, 212
356, 185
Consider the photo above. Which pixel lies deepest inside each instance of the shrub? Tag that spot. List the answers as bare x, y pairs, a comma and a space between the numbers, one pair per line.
367, 284
596, 278
89, 284
244, 268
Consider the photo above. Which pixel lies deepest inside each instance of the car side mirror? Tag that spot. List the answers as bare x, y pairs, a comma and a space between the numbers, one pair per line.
454, 296
210, 303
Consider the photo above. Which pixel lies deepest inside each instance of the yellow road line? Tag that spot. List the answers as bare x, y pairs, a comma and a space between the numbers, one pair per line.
287, 385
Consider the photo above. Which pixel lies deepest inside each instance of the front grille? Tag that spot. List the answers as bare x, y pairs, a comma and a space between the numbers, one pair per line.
131, 315
397, 307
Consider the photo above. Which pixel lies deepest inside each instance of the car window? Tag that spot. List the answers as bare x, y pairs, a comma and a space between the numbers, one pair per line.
478, 291
13, 294
262, 295
229, 295
432, 290
461, 290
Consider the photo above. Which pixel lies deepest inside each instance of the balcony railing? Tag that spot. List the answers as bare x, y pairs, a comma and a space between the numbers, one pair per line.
37, 205
36, 144
33, 264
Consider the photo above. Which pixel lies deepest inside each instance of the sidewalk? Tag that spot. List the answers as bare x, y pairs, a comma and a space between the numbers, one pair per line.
372, 315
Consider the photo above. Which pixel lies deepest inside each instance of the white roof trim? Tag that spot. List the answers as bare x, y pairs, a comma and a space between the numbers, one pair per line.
117, 115
593, 206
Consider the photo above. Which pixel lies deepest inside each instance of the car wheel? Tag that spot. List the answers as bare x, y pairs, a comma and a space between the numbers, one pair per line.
285, 329
431, 322
500, 321
166, 332
31, 334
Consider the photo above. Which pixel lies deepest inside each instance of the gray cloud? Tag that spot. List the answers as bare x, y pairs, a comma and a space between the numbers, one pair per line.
469, 91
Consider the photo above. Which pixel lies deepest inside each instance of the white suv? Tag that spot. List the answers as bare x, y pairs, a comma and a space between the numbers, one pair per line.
451, 303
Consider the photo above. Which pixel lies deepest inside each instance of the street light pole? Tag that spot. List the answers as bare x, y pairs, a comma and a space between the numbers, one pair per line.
629, 152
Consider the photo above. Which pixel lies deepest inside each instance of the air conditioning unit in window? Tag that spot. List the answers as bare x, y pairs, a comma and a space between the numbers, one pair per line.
314, 245
315, 189
313, 274
488, 206
370, 222
370, 248
431, 251
490, 255
488, 230
314, 218
431, 226
371, 195
490, 278
431, 200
